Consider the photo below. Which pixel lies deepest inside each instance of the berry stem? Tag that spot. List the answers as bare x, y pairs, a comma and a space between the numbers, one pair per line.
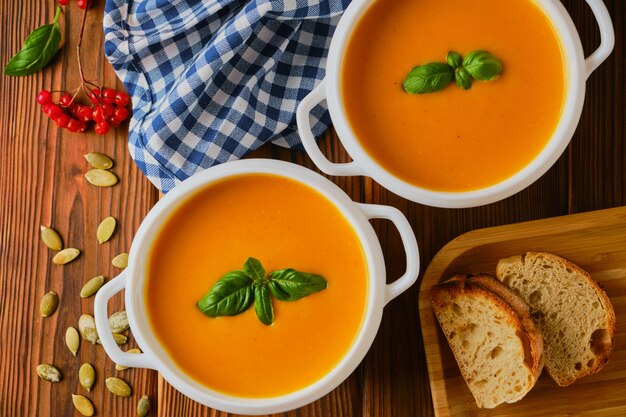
78, 44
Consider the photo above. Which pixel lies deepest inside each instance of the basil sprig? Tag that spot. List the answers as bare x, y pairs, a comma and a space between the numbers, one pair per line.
435, 76
38, 49
428, 78
236, 291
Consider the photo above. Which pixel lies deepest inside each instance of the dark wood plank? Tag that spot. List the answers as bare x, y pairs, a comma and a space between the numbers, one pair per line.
41, 182
598, 150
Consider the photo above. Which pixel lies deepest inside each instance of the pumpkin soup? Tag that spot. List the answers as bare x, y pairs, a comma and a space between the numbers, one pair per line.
453, 139
281, 223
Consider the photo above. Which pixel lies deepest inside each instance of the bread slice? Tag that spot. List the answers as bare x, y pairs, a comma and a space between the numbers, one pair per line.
493, 338
573, 313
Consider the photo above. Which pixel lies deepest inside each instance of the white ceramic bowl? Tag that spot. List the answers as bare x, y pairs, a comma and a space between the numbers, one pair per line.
578, 69
155, 357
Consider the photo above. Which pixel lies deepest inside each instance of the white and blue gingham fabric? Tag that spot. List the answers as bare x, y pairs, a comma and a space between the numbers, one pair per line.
211, 80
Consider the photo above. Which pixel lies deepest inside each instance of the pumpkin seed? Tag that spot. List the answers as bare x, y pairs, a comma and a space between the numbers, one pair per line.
101, 178
48, 372
87, 328
92, 286
51, 238
65, 256
106, 229
118, 387
72, 340
143, 406
99, 160
49, 304
120, 339
83, 405
122, 367
86, 376
118, 322
120, 261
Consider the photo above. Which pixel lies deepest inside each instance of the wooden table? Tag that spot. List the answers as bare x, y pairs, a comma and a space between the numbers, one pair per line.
41, 182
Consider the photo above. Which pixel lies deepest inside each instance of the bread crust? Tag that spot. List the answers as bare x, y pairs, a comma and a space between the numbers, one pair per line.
604, 353
517, 304
485, 286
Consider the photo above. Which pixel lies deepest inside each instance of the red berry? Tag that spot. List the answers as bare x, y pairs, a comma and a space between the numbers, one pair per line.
97, 115
108, 95
120, 114
65, 100
63, 120
84, 113
102, 128
94, 96
83, 3
107, 109
82, 127
122, 99
44, 97
73, 125
64, 2
54, 111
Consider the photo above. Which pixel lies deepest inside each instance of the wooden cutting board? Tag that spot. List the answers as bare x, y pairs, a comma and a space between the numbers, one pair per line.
596, 241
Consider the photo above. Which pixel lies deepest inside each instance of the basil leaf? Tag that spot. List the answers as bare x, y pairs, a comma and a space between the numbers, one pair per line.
254, 269
482, 65
231, 295
38, 49
263, 304
463, 78
454, 59
428, 78
291, 285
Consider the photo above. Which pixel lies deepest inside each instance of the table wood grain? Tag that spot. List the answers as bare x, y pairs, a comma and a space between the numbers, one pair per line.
41, 182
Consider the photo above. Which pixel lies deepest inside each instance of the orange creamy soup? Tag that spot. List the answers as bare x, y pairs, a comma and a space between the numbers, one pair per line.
285, 224
453, 140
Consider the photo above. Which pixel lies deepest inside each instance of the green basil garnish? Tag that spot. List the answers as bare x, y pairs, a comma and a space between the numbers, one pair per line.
463, 78
254, 269
231, 295
263, 304
454, 59
482, 65
435, 76
235, 292
291, 285
428, 78
38, 49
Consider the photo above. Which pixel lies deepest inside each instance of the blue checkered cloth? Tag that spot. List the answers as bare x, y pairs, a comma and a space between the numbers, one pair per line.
211, 80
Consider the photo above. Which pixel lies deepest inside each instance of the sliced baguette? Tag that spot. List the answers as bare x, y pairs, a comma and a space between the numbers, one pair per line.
490, 332
573, 313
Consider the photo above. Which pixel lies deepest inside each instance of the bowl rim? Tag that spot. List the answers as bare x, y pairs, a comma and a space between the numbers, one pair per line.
152, 347
575, 77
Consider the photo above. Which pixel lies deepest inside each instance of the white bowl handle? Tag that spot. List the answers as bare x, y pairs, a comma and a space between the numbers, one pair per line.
374, 211
135, 360
607, 36
314, 98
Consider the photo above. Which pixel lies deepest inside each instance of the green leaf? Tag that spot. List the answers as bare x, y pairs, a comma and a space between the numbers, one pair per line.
463, 78
231, 295
291, 285
454, 59
263, 304
38, 49
482, 65
428, 78
253, 268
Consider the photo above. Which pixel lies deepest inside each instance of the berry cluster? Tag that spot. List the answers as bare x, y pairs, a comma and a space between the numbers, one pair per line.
109, 109
83, 4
